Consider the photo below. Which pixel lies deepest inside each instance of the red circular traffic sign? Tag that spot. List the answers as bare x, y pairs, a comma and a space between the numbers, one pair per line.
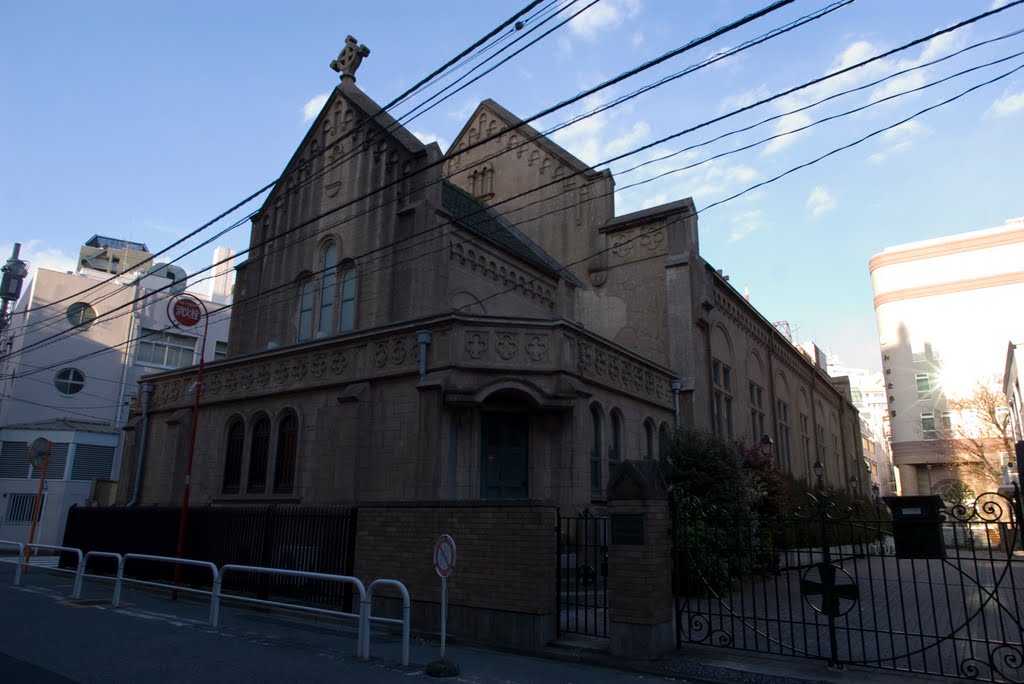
185, 311
444, 555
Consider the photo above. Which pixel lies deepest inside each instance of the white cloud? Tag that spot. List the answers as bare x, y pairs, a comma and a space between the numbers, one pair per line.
463, 113
39, 255
820, 201
996, 4
746, 223
627, 141
604, 16
899, 140
638, 39
1007, 105
427, 138
313, 107
744, 99
785, 127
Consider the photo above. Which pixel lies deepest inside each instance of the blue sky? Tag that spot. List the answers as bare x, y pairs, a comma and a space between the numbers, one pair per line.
145, 120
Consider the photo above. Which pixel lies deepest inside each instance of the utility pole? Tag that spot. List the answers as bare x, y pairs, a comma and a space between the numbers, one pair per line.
14, 272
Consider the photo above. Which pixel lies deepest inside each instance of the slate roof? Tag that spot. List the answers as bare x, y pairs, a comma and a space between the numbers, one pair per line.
481, 220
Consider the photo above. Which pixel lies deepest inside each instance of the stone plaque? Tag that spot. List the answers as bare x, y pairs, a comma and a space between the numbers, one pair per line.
628, 529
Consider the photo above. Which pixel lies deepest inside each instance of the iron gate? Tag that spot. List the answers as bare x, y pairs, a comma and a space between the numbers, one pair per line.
832, 585
582, 589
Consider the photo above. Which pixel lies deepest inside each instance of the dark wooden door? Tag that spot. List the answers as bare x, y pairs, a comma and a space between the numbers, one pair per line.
504, 455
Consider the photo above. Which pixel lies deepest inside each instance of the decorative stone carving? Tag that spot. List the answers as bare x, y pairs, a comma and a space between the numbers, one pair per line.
506, 346
349, 59
262, 375
298, 369
244, 379
280, 372
537, 348
318, 366
398, 352
380, 357
339, 362
476, 345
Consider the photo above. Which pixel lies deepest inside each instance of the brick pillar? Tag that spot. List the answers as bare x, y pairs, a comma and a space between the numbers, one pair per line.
641, 619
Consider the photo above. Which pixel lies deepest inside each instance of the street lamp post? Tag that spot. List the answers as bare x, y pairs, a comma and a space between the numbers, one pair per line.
186, 312
819, 472
767, 446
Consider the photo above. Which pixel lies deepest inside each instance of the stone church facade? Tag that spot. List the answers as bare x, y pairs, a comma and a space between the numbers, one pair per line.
411, 325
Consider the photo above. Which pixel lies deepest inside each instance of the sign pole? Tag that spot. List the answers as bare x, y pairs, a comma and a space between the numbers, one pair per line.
39, 456
444, 614
186, 312
444, 564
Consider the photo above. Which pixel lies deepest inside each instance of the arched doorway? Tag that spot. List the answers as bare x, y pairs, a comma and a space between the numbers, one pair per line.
504, 446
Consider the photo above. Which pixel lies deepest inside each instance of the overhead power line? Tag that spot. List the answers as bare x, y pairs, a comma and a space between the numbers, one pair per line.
688, 46
779, 176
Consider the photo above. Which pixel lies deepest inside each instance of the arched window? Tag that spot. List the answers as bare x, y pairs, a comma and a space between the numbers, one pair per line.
347, 314
287, 445
329, 275
649, 439
615, 450
259, 450
595, 451
663, 440
306, 292
233, 457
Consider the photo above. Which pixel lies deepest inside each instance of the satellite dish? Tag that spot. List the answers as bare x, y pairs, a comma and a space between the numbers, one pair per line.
39, 451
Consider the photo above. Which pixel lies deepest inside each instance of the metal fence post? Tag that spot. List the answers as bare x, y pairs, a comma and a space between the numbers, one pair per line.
215, 599
17, 568
116, 601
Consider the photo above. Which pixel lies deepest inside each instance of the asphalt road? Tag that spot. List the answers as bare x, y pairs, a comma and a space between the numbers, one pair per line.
46, 639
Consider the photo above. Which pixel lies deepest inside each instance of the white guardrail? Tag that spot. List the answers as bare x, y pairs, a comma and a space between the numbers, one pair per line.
364, 617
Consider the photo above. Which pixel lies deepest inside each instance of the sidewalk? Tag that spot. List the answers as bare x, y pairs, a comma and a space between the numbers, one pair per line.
47, 639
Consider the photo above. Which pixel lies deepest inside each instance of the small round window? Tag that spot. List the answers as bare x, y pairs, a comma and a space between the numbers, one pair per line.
69, 381
81, 314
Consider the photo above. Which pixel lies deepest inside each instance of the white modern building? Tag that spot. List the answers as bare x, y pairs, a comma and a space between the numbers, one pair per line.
868, 394
944, 310
72, 355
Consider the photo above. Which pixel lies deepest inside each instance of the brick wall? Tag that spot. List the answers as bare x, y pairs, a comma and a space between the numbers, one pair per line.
503, 586
640, 576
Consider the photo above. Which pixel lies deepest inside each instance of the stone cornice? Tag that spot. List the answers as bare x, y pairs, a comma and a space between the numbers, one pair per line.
476, 343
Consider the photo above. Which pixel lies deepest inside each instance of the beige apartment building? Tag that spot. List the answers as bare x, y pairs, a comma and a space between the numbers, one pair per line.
944, 310
471, 325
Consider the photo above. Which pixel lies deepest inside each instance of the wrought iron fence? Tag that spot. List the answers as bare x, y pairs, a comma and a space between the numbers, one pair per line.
311, 538
582, 589
836, 585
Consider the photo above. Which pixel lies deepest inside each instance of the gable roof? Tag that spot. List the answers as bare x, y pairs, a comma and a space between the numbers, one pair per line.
481, 220
514, 123
348, 91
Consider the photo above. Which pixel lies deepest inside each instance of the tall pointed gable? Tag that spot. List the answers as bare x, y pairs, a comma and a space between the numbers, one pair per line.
549, 194
349, 119
491, 119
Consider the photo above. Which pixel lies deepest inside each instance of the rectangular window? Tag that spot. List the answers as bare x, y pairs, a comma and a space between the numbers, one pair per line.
220, 351
165, 349
805, 441
928, 425
923, 386
721, 378
756, 412
947, 420
19, 508
92, 462
782, 408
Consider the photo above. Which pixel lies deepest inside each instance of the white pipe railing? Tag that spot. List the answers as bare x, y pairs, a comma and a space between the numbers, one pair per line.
21, 554
361, 616
76, 592
160, 559
404, 621
23, 561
